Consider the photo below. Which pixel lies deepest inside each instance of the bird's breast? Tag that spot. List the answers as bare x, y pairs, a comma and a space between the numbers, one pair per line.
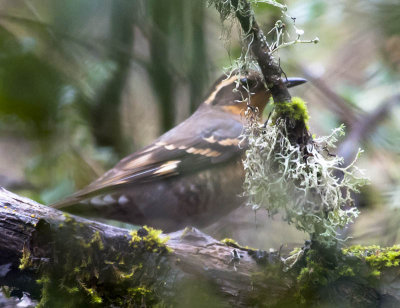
196, 199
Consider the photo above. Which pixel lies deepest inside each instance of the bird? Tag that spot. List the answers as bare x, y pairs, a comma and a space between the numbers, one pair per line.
190, 176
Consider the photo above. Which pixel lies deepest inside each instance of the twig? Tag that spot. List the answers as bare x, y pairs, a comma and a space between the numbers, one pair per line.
270, 68
261, 51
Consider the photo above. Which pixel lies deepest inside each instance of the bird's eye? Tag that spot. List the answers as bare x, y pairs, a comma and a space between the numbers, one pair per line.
247, 83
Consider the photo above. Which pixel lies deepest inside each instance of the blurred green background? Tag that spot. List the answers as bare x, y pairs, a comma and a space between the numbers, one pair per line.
84, 83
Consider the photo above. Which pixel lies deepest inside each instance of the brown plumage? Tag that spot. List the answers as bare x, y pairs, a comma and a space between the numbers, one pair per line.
191, 175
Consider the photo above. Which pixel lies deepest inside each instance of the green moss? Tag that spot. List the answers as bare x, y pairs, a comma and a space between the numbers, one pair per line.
25, 260
95, 298
141, 294
90, 273
95, 241
320, 270
150, 239
6, 291
230, 242
314, 275
376, 257
270, 274
68, 220
296, 110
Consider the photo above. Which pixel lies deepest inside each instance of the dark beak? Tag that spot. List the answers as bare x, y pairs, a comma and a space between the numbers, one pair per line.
294, 81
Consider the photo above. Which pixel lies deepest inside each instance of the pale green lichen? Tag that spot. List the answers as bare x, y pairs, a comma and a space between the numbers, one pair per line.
228, 8
299, 180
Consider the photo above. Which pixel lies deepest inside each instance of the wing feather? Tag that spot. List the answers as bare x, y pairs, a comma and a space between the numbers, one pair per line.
204, 139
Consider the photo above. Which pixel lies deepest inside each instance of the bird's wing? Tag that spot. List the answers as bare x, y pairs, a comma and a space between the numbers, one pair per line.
203, 140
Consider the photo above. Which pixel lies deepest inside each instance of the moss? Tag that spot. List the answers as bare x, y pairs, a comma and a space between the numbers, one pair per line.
96, 240
89, 273
150, 239
376, 257
296, 110
320, 274
270, 275
314, 275
141, 294
320, 270
6, 291
25, 260
230, 242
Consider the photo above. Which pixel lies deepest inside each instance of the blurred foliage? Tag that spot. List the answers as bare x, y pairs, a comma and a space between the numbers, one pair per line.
83, 83
64, 71
29, 86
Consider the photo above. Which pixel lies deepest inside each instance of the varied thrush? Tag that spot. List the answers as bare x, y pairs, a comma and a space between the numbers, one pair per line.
191, 175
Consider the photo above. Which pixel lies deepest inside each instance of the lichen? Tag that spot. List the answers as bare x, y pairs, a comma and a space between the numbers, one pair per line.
299, 180
313, 198
89, 273
228, 8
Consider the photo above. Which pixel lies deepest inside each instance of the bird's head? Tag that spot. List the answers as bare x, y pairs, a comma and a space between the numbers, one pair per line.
231, 94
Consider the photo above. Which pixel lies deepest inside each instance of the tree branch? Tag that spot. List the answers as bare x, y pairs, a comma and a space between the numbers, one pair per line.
271, 70
65, 260
260, 49
35, 237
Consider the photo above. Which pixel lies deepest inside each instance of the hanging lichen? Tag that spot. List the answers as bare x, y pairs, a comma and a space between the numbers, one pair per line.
299, 180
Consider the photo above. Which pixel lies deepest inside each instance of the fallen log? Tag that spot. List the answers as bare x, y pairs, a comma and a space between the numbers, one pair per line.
64, 260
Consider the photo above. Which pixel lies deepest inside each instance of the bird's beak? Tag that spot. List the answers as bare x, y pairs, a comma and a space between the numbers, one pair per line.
294, 81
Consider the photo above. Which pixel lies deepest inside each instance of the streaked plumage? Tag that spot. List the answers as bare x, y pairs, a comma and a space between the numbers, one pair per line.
191, 175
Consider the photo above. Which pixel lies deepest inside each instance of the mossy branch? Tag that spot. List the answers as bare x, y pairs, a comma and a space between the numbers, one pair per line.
69, 261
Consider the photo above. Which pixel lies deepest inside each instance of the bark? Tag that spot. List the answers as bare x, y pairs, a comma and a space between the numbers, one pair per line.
27, 225
260, 49
36, 238
270, 68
